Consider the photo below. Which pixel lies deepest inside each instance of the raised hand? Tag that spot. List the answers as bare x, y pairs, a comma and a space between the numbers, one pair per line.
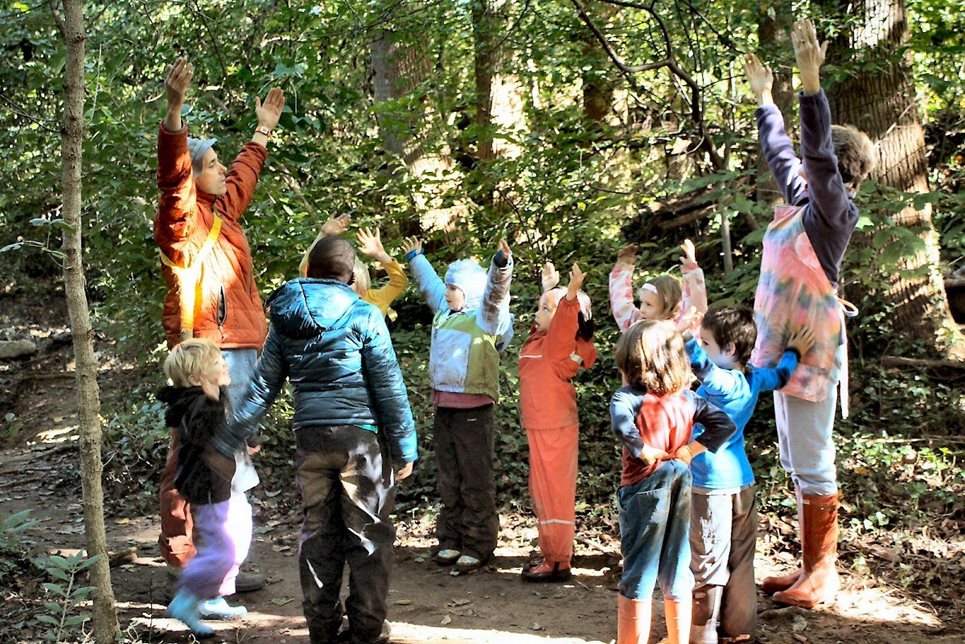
689, 260
336, 226
371, 244
689, 321
269, 112
809, 53
576, 282
627, 255
801, 341
176, 85
503, 247
410, 244
549, 276
760, 78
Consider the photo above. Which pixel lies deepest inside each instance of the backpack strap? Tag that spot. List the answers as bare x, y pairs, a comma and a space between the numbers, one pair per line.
189, 277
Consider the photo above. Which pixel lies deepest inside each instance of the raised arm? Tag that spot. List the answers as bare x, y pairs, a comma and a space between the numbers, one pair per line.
384, 380
433, 289
331, 228
829, 199
493, 315
624, 310
695, 288
370, 244
721, 382
177, 208
560, 342
244, 172
775, 144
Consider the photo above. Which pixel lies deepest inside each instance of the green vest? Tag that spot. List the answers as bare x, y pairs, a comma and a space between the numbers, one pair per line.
463, 357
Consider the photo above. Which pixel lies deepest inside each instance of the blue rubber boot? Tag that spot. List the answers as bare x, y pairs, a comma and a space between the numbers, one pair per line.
218, 608
184, 608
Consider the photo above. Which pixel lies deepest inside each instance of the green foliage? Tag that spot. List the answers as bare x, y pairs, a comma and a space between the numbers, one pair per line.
13, 559
64, 620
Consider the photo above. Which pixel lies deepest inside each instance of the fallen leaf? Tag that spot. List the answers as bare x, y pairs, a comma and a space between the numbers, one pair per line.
535, 626
799, 624
281, 601
402, 602
446, 620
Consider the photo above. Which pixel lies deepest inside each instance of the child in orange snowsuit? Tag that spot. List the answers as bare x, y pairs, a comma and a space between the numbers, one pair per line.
561, 343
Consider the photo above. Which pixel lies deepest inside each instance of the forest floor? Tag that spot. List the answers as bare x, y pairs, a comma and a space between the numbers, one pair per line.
39, 471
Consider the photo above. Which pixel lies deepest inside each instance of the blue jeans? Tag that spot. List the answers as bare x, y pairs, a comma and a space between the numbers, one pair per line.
241, 367
655, 534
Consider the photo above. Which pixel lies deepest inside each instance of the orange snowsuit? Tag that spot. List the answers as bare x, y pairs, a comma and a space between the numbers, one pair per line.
548, 361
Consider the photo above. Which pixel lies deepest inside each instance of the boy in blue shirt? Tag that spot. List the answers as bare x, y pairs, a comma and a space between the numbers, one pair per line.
723, 525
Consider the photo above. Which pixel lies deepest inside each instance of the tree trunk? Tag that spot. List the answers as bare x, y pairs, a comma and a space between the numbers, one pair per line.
397, 70
72, 26
878, 96
598, 87
498, 100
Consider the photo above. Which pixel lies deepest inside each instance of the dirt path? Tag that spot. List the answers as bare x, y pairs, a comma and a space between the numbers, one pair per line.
38, 470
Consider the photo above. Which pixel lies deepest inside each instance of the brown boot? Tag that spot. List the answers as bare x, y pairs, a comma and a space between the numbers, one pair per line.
771, 585
633, 620
818, 583
706, 610
677, 614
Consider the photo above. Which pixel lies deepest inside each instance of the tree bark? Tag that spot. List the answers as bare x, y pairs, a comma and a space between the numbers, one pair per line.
878, 96
105, 624
397, 70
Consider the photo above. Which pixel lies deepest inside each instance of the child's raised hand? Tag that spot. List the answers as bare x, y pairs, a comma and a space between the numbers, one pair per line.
689, 260
336, 226
809, 53
370, 244
627, 255
410, 244
801, 341
760, 78
403, 472
503, 248
576, 282
689, 321
549, 276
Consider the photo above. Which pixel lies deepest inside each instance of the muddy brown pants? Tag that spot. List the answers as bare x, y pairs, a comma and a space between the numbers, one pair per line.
175, 541
346, 482
463, 442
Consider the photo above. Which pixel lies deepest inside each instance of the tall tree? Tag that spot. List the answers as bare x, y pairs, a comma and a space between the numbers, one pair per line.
878, 96
71, 24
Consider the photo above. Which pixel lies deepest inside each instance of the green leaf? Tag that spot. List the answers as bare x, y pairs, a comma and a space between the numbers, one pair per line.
47, 619
57, 589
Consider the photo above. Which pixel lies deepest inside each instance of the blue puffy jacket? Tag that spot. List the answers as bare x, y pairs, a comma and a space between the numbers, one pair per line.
336, 351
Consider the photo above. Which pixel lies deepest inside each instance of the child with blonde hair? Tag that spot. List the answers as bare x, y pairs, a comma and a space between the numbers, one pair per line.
653, 416
661, 298
560, 344
208, 477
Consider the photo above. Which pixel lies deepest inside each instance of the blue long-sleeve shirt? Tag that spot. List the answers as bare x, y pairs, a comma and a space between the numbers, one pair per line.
829, 214
736, 393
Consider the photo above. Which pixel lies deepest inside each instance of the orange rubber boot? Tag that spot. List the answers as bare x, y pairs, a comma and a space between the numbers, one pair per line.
633, 620
818, 584
677, 614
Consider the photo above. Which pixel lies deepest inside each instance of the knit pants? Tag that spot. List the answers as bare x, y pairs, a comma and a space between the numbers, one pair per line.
552, 484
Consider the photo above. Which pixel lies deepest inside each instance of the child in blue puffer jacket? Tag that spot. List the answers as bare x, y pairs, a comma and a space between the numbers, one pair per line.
472, 325
352, 421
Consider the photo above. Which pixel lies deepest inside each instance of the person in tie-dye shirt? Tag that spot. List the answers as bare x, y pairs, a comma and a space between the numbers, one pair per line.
803, 249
